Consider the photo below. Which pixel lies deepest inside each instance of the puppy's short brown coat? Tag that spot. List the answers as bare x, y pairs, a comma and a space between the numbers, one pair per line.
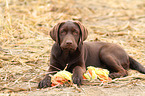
70, 49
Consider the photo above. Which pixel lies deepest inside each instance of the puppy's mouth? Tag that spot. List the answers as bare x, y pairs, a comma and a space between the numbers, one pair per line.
68, 48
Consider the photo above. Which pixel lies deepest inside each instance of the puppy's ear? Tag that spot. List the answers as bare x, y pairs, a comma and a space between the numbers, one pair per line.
83, 30
54, 32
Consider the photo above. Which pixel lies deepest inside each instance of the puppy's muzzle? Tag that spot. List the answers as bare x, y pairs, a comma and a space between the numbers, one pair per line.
69, 44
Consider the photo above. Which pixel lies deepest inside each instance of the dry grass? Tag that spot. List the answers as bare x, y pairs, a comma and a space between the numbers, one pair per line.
24, 33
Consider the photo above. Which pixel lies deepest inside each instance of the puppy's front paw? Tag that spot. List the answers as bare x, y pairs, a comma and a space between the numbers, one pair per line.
46, 82
77, 79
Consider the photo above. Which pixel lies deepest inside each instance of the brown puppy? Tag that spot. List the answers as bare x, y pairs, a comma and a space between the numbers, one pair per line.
70, 49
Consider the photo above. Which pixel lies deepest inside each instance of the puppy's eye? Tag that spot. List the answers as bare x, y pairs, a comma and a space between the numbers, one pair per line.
63, 32
75, 33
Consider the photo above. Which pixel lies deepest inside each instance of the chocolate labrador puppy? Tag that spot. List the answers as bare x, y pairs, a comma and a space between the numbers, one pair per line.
70, 49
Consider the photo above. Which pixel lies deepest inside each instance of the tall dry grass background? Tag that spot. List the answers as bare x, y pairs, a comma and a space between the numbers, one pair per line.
25, 43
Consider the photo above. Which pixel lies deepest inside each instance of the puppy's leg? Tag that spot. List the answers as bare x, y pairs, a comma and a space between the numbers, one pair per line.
77, 77
46, 82
114, 65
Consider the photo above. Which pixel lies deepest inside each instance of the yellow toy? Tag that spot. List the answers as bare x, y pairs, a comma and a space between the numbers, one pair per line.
61, 77
92, 73
97, 73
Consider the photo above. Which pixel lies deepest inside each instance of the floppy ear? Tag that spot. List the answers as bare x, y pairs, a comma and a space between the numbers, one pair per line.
83, 30
54, 32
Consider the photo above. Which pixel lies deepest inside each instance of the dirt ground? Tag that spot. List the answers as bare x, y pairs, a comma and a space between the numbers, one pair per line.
25, 43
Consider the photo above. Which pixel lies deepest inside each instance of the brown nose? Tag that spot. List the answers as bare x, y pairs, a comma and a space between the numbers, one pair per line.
69, 42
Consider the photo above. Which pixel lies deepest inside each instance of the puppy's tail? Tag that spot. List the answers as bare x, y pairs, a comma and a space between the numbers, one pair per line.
136, 65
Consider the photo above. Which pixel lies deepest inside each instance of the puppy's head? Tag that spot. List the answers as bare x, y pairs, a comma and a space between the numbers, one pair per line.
69, 34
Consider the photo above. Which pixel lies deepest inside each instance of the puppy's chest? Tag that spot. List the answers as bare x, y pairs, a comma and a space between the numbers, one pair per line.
68, 59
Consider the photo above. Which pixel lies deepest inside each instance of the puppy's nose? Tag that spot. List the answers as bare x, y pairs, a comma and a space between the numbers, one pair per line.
69, 42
